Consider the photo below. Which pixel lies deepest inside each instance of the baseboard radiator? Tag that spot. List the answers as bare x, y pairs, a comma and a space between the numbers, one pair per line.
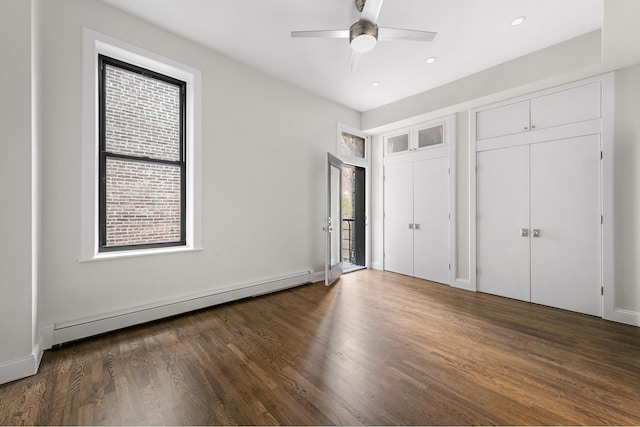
105, 322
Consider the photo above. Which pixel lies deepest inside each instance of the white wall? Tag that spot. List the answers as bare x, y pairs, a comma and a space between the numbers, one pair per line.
627, 194
16, 251
264, 145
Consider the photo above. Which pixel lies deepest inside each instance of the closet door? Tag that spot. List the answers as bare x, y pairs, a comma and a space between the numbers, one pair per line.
502, 248
398, 218
431, 218
506, 120
565, 207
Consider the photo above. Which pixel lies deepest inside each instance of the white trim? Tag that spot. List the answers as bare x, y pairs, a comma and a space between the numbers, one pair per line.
317, 276
573, 130
473, 215
109, 321
463, 284
95, 43
356, 161
101, 256
23, 366
452, 138
623, 316
377, 266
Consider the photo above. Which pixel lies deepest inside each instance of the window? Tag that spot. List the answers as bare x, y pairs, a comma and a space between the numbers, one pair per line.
352, 146
430, 136
142, 157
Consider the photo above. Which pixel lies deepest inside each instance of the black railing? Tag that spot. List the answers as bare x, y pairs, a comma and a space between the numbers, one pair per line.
348, 240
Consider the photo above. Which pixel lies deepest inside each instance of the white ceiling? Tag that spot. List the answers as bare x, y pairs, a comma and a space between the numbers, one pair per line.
473, 35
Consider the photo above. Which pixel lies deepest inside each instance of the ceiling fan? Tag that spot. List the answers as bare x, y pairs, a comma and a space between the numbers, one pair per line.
364, 34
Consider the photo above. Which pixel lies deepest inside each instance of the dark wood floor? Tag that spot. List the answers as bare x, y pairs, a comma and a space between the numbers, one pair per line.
376, 348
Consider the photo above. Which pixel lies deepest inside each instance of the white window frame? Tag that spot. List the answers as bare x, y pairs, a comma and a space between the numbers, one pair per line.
355, 132
448, 122
95, 43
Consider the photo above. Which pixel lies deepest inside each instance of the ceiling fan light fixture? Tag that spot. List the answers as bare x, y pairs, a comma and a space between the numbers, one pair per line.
363, 36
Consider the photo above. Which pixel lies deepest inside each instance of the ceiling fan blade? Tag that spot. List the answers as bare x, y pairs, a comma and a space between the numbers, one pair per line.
387, 34
371, 11
355, 60
329, 34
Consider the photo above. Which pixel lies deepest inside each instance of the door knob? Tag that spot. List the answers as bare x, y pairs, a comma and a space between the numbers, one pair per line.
524, 232
535, 232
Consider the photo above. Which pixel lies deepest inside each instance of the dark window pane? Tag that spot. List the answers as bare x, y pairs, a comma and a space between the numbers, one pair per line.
142, 115
143, 203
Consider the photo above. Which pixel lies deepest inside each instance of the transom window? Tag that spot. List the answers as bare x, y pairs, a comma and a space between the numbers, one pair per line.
352, 146
142, 191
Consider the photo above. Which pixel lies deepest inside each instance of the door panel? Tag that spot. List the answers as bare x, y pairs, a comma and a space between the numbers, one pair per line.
506, 120
398, 214
333, 225
565, 206
431, 218
568, 106
502, 254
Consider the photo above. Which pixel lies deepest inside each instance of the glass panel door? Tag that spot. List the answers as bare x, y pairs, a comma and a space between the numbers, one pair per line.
333, 221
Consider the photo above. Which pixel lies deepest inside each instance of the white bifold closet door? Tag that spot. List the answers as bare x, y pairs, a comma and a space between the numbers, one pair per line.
538, 224
416, 220
565, 207
398, 214
431, 218
502, 253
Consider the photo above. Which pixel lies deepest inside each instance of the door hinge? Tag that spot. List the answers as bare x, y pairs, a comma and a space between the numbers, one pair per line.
601, 290
449, 266
601, 155
601, 219
449, 171
449, 215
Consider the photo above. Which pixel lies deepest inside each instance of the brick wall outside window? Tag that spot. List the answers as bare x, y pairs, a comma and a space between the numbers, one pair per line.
142, 122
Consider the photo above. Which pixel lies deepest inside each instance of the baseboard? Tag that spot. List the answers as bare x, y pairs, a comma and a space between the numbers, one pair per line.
317, 276
463, 284
624, 316
106, 322
377, 266
22, 367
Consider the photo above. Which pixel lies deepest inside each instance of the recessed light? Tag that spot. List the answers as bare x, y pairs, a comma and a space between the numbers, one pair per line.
375, 84
519, 20
431, 60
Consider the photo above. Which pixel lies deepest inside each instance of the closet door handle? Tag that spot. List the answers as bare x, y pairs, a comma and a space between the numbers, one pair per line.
535, 232
524, 232
416, 226
411, 226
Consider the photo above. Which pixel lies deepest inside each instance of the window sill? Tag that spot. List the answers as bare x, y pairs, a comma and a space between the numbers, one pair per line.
137, 253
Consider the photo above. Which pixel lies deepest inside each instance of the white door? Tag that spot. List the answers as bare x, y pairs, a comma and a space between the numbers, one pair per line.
398, 218
333, 221
431, 219
502, 248
565, 208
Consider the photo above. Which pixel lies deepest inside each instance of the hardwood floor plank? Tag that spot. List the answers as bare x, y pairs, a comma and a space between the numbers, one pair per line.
374, 349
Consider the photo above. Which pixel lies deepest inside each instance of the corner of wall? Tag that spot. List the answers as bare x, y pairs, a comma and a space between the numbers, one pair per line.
22, 367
